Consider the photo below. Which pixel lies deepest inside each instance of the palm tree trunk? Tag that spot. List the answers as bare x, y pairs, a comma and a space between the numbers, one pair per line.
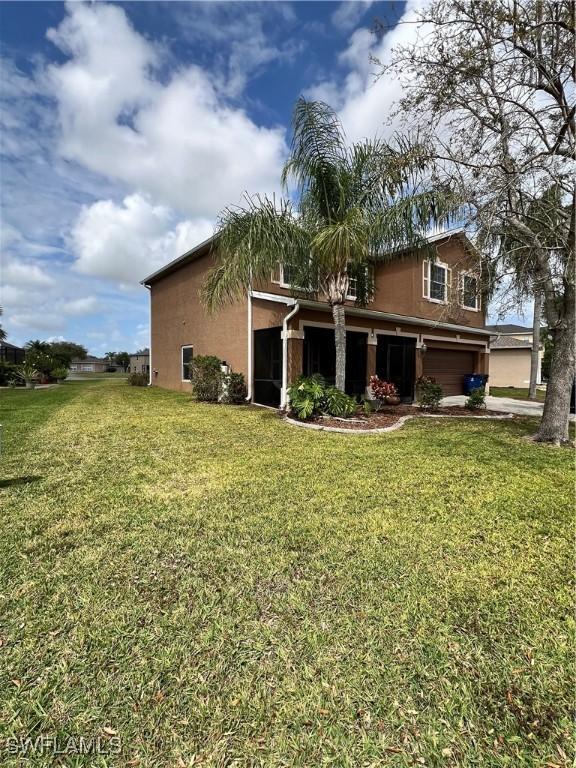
340, 342
535, 355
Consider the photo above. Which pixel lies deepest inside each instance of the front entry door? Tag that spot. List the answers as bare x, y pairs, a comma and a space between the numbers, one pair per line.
396, 362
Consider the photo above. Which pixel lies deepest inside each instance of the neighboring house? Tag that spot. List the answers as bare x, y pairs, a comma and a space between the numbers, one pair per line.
90, 364
425, 318
510, 355
9, 353
140, 362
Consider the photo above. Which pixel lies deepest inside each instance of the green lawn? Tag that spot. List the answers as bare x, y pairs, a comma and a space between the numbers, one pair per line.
516, 393
222, 589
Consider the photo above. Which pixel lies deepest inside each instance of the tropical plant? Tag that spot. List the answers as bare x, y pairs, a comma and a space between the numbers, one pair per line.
382, 389
338, 403
306, 396
39, 357
311, 396
355, 204
27, 372
206, 378
2, 331
429, 392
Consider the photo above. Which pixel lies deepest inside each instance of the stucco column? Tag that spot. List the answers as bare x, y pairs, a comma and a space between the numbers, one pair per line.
419, 368
295, 355
371, 347
483, 366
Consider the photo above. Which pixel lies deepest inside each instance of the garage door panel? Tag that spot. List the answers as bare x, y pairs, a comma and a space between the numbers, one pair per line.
448, 367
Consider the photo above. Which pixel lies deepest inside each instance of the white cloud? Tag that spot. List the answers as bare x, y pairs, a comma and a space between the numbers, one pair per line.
364, 101
128, 241
87, 305
349, 13
24, 274
177, 141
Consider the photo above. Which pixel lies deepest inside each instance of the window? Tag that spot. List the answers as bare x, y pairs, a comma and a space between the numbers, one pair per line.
436, 281
353, 282
186, 362
469, 296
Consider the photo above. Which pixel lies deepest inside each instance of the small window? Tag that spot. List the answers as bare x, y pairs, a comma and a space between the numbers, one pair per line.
352, 294
436, 281
186, 362
469, 295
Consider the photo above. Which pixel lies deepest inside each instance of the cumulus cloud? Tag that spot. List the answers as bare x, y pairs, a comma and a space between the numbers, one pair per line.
365, 101
125, 242
178, 140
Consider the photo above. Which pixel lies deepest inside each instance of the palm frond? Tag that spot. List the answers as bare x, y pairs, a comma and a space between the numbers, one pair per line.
251, 241
318, 154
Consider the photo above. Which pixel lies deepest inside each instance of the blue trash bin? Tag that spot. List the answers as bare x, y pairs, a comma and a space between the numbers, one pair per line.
474, 381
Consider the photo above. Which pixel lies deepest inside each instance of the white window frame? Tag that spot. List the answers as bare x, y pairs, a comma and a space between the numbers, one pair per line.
427, 281
182, 348
462, 277
354, 296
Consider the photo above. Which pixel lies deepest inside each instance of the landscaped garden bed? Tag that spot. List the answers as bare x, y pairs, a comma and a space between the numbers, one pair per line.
390, 416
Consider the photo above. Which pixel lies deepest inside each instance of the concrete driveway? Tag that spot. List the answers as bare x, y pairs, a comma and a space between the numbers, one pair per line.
508, 404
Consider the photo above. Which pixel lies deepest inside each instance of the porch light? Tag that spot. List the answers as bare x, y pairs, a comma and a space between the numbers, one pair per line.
423, 348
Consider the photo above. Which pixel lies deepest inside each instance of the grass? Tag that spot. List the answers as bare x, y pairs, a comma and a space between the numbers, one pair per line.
516, 393
100, 374
214, 587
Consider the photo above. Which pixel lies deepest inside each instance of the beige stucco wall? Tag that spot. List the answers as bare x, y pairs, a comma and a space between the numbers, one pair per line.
509, 367
178, 318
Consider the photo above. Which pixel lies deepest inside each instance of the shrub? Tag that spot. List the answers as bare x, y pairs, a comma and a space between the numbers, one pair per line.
307, 396
9, 374
476, 399
138, 379
235, 389
429, 393
59, 373
382, 389
338, 403
311, 396
206, 378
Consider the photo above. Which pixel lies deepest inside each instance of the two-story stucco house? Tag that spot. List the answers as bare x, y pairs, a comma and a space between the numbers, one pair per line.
425, 318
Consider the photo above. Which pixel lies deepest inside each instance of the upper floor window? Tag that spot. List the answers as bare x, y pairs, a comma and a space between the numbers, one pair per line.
291, 276
436, 281
352, 294
469, 291
186, 362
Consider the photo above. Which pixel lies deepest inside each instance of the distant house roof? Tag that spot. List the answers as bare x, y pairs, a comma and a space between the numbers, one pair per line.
141, 353
508, 329
509, 342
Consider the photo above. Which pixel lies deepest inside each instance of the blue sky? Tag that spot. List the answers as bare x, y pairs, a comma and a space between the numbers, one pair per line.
126, 127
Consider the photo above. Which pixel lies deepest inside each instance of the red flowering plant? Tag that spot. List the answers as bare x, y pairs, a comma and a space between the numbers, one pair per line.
383, 391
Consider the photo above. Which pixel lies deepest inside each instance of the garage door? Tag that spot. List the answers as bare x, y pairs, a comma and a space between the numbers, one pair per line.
449, 367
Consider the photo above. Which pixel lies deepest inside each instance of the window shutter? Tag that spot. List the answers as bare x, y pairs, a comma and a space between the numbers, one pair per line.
426, 279
448, 284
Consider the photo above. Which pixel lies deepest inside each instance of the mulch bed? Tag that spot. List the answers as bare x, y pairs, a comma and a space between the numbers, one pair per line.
389, 415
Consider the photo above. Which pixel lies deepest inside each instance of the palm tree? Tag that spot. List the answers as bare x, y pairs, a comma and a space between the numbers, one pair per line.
353, 205
2, 331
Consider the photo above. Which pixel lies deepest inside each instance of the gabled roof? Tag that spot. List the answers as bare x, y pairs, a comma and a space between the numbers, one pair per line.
509, 342
508, 329
194, 253
202, 248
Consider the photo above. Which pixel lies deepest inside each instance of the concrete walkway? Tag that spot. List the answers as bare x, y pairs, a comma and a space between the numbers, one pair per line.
507, 404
